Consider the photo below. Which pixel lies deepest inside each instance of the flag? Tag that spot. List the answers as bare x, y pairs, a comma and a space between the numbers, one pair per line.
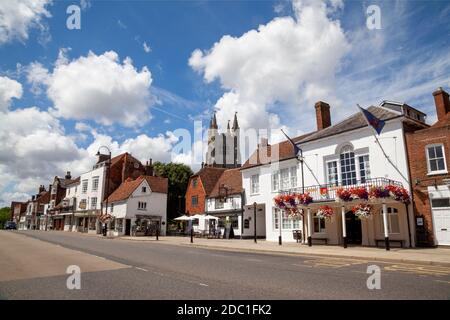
297, 150
376, 123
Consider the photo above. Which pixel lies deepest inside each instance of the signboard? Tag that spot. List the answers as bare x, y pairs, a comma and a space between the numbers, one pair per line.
419, 221
246, 224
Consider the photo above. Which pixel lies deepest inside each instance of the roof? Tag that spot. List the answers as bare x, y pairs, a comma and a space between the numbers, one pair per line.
209, 177
232, 179
124, 191
43, 197
353, 122
285, 151
72, 182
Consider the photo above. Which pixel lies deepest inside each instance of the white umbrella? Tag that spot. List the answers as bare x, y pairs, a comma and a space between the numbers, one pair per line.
183, 218
197, 216
211, 217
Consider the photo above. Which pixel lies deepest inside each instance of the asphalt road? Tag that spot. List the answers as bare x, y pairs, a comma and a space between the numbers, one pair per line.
120, 269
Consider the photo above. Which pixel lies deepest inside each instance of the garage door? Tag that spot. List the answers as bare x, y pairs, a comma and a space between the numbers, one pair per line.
441, 218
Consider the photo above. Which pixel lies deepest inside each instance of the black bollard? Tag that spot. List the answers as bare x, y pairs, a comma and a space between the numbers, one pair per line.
192, 235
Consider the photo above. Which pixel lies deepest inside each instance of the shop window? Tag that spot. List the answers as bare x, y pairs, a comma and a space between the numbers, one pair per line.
393, 221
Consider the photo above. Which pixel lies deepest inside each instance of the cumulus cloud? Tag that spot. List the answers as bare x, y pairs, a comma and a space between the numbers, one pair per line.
284, 63
9, 89
146, 47
97, 87
18, 17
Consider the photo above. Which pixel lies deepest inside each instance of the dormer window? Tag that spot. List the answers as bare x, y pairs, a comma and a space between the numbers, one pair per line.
144, 189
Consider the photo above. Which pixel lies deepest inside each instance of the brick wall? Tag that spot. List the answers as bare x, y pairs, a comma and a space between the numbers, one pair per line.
198, 191
416, 145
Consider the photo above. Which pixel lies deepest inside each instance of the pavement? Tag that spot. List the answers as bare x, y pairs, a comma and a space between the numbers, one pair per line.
424, 256
137, 269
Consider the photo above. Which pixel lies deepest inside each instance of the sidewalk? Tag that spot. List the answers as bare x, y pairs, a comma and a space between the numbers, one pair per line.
424, 256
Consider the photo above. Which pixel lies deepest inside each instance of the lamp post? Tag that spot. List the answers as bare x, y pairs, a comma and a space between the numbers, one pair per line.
254, 220
302, 159
108, 165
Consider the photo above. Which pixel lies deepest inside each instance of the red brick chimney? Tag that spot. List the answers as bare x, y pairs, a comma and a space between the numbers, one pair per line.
323, 116
441, 100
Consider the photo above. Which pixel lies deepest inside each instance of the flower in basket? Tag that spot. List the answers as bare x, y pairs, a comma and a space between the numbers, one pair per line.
378, 192
398, 193
304, 198
289, 201
279, 202
362, 210
343, 195
325, 212
359, 193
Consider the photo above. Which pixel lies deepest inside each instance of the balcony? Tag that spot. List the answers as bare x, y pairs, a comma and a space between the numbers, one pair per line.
327, 192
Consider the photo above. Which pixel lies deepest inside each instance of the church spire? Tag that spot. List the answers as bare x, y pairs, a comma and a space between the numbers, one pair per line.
235, 122
214, 122
228, 126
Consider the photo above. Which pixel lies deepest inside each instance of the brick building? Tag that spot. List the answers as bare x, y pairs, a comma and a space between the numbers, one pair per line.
200, 186
17, 210
429, 160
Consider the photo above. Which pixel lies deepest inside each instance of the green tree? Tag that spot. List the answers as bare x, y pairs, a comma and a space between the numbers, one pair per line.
5, 215
178, 175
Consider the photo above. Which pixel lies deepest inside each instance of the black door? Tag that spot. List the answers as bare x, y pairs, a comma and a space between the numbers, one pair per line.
127, 227
353, 227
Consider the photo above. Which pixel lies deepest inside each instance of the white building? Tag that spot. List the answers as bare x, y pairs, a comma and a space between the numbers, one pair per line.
342, 155
138, 207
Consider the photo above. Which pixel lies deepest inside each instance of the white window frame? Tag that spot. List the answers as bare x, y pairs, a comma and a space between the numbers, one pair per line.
142, 205
94, 202
337, 159
254, 185
292, 179
336, 162
434, 145
321, 230
83, 184
95, 183
391, 211
276, 219
275, 181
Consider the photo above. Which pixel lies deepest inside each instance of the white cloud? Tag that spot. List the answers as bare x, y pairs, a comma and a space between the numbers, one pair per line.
19, 16
146, 47
9, 89
99, 88
37, 76
85, 4
284, 63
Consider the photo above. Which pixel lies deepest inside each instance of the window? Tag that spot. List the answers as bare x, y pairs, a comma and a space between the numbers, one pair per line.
287, 222
234, 222
284, 178
332, 172
94, 184
293, 177
194, 182
195, 222
319, 224
255, 184
436, 159
94, 203
144, 189
194, 201
440, 203
218, 203
276, 218
84, 186
112, 207
142, 205
275, 181
348, 169
119, 225
364, 168
393, 224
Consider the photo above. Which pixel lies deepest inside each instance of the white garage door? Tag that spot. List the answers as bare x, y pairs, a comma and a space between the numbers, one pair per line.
441, 217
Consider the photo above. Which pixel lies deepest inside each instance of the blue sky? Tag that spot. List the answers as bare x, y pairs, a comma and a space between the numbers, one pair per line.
267, 60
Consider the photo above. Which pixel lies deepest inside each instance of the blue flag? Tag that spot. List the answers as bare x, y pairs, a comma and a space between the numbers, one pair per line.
297, 150
376, 123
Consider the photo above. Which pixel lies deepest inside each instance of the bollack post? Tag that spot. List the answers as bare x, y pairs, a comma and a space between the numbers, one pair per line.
192, 235
309, 228
386, 230
344, 227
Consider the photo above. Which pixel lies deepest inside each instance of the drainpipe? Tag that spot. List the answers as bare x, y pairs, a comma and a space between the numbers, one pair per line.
409, 228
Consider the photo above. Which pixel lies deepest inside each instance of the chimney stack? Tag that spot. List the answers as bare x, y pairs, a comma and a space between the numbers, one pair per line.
50, 188
441, 100
323, 116
68, 176
263, 142
149, 168
41, 188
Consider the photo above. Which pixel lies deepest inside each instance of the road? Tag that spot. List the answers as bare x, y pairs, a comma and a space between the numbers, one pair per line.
33, 266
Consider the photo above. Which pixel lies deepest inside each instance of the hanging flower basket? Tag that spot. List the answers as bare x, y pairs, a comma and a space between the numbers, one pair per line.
379, 193
345, 195
398, 193
304, 199
325, 212
362, 210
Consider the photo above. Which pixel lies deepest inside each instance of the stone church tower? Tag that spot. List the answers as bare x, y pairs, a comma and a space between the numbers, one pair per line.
223, 148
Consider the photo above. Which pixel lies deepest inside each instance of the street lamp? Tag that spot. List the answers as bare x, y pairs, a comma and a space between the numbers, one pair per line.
108, 167
302, 160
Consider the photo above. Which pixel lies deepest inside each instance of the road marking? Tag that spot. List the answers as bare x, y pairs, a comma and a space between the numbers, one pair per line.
142, 269
448, 282
253, 259
334, 263
203, 285
301, 265
422, 270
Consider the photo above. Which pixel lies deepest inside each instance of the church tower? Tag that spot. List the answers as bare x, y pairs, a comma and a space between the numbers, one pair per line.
223, 148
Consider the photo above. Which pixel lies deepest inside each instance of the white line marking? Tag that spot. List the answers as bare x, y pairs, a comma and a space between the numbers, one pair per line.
142, 269
203, 285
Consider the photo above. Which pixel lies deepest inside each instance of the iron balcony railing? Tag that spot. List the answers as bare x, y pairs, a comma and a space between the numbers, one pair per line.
327, 192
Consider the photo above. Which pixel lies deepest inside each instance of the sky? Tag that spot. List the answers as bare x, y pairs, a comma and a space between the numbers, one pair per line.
137, 76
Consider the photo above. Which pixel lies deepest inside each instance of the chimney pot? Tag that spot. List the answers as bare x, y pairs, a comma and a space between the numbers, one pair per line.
442, 103
264, 142
323, 116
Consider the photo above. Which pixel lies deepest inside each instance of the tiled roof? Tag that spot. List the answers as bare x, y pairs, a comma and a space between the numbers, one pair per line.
124, 191
355, 121
43, 197
209, 177
73, 181
285, 151
232, 179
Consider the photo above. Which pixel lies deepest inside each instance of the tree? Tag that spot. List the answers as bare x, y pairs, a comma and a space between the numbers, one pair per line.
178, 175
5, 215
